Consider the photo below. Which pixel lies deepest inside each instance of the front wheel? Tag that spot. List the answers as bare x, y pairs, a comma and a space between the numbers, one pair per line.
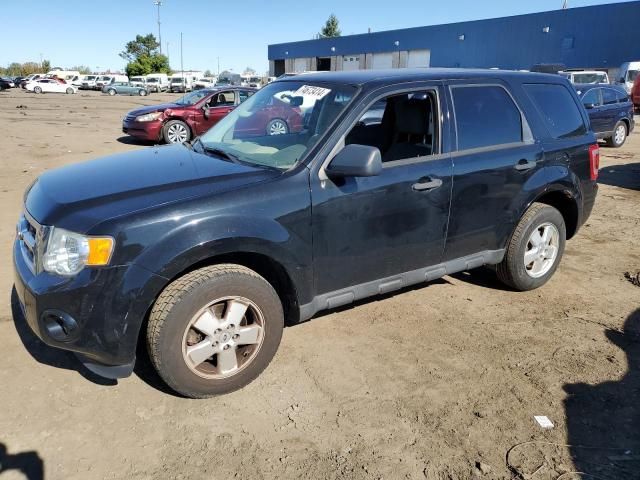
142, 93
37, 90
214, 330
535, 249
69, 91
176, 131
619, 136
111, 92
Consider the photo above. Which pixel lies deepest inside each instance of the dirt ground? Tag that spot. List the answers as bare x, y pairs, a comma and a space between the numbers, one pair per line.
438, 382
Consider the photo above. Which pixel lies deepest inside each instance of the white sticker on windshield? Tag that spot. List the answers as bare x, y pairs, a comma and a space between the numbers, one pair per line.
312, 92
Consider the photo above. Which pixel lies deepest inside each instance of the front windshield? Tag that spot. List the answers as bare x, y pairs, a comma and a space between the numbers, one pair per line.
589, 78
152, 80
632, 75
279, 124
177, 80
91, 77
193, 97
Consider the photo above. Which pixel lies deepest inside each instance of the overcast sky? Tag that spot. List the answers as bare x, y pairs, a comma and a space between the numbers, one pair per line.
81, 32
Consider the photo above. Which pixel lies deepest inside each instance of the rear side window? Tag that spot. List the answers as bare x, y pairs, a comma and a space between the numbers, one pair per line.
592, 97
622, 97
558, 109
609, 96
485, 116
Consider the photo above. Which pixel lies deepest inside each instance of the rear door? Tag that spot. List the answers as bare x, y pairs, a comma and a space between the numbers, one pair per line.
610, 109
496, 164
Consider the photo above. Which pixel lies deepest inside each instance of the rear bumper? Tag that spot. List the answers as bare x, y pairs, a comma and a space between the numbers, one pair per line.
97, 314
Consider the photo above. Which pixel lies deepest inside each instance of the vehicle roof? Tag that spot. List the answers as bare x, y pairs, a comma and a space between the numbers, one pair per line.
397, 75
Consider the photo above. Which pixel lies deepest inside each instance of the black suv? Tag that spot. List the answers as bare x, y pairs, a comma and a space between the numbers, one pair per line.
205, 250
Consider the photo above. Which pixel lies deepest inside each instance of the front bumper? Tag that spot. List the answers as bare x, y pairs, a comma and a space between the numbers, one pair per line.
143, 130
102, 311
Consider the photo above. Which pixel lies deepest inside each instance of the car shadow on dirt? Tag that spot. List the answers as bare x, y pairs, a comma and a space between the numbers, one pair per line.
603, 420
45, 354
129, 140
484, 277
29, 464
623, 176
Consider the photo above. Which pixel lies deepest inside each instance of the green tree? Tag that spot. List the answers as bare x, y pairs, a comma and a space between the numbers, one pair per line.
143, 56
208, 73
83, 69
45, 66
331, 28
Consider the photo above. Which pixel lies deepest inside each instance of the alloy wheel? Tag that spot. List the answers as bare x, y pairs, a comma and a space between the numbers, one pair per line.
223, 338
277, 127
542, 250
177, 133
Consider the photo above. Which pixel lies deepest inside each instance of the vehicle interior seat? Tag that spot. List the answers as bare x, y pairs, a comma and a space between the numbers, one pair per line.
411, 132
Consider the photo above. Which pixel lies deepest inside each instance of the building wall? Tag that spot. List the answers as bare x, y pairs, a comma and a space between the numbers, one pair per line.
601, 36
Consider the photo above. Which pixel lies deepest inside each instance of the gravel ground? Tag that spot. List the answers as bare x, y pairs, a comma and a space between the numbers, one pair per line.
439, 382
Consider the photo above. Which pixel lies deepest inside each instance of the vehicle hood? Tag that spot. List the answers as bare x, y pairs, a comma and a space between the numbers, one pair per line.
155, 108
79, 196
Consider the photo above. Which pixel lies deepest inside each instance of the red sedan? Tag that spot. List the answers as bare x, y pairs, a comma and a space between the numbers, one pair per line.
198, 111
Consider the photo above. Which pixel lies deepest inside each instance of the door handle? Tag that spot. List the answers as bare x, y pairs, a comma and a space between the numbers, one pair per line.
427, 184
523, 165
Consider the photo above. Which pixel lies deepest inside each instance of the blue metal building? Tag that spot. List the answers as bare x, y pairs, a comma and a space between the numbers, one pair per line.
602, 36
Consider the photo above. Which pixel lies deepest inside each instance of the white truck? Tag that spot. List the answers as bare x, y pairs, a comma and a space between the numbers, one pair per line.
158, 82
627, 75
184, 81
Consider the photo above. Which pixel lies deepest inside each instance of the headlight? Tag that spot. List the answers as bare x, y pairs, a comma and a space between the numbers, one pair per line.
149, 117
67, 253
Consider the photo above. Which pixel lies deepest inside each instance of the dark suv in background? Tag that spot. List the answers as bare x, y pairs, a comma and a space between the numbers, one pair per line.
610, 110
206, 249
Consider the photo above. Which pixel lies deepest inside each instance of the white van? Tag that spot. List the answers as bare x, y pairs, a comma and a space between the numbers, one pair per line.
139, 81
158, 82
628, 73
65, 75
180, 83
103, 80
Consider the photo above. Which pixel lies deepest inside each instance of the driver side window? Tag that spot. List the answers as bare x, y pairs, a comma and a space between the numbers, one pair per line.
400, 126
222, 99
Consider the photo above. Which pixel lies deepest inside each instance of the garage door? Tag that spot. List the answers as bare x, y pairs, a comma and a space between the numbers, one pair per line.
419, 58
351, 62
382, 60
300, 65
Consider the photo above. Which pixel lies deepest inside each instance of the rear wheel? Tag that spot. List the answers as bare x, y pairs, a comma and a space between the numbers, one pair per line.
142, 93
69, 91
619, 136
176, 131
214, 330
37, 90
535, 249
111, 92
277, 126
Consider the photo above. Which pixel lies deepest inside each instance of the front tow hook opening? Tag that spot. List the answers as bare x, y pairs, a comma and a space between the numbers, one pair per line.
60, 326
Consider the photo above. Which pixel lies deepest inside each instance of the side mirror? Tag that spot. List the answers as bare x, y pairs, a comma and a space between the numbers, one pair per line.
296, 101
621, 80
205, 111
356, 161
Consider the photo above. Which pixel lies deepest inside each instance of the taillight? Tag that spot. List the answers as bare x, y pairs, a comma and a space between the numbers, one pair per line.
594, 161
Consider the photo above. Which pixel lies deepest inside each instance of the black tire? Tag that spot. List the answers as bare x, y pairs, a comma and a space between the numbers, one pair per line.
182, 300
69, 91
37, 90
167, 135
512, 270
614, 142
142, 93
111, 92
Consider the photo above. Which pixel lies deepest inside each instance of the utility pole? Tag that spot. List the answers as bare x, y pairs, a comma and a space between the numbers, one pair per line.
181, 62
565, 4
218, 66
158, 3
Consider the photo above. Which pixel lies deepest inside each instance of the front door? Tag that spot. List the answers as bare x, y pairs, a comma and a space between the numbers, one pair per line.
371, 228
214, 110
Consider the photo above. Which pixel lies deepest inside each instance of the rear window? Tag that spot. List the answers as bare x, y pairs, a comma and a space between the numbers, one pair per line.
558, 108
485, 116
622, 97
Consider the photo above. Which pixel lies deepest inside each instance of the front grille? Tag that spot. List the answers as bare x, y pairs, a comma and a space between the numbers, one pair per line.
30, 236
